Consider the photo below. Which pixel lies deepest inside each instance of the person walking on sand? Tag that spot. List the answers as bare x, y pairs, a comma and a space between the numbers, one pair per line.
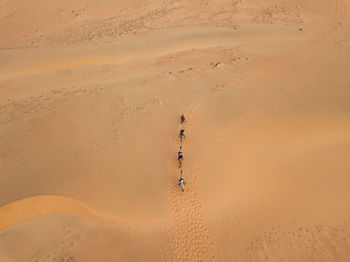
180, 156
182, 184
182, 181
182, 134
182, 119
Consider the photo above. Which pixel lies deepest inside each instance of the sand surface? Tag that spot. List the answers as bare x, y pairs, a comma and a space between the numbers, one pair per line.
90, 98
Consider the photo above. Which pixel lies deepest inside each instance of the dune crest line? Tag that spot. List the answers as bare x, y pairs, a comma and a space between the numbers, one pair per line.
30, 207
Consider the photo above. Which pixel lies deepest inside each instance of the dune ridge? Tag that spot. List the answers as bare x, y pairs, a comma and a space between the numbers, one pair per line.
90, 104
30, 207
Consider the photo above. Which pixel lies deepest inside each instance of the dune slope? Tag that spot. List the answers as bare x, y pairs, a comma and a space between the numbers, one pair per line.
90, 98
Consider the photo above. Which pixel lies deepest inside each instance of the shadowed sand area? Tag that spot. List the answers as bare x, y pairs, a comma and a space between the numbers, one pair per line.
90, 99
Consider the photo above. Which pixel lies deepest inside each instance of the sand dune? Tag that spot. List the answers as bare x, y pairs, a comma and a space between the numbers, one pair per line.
27, 208
90, 98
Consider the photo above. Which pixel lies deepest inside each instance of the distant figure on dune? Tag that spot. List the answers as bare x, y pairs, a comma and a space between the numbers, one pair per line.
182, 184
180, 157
182, 119
182, 134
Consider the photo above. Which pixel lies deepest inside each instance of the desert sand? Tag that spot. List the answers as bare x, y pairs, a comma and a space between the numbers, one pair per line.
91, 94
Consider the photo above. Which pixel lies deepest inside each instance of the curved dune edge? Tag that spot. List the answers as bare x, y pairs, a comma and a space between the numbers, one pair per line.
30, 207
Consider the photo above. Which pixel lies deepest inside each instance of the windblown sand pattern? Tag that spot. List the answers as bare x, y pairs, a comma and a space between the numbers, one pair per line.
90, 98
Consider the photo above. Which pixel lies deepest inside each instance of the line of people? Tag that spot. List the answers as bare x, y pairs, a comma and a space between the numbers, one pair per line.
180, 156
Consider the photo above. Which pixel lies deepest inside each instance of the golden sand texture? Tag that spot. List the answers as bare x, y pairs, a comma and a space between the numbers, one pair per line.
91, 94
